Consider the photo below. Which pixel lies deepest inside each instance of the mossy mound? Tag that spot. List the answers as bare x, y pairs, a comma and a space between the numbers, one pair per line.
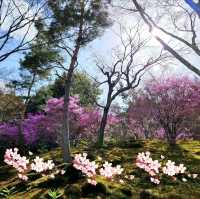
73, 185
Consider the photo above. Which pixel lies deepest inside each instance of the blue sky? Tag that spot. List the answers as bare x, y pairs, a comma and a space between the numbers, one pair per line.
103, 46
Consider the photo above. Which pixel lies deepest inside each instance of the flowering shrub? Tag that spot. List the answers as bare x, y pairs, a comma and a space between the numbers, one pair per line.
81, 162
156, 169
109, 171
88, 168
20, 163
166, 109
46, 127
23, 165
144, 161
171, 169
40, 166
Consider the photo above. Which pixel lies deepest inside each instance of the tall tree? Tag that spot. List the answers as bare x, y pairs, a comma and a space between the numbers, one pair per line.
36, 65
75, 22
124, 74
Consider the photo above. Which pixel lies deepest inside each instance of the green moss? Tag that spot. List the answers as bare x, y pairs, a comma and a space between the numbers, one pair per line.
74, 185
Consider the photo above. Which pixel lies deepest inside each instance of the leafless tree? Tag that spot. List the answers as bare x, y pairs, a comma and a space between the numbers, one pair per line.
182, 26
125, 73
17, 20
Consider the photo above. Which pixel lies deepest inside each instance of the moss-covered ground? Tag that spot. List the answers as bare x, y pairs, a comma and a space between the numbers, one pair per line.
73, 185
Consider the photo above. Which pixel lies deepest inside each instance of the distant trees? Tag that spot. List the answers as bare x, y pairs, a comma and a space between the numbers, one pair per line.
82, 85
139, 115
171, 102
11, 107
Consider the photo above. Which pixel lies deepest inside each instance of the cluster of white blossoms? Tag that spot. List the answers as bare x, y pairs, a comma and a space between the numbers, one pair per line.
109, 171
24, 165
156, 169
144, 161
89, 168
40, 166
171, 169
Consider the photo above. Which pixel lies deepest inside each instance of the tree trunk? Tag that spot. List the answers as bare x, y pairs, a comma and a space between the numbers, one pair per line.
66, 138
103, 126
21, 140
171, 137
68, 82
172, 140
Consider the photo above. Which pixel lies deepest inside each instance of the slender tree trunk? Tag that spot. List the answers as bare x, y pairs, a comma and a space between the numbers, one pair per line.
104, 119
66, 115
66, 136
68, 83
103, 126
171, 136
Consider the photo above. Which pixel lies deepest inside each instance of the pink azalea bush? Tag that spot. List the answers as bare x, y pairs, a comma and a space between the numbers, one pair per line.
156, 169
46, 127
24, 165
89, 168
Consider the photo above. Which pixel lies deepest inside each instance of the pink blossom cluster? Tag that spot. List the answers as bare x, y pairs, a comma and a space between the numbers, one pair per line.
144, 161
89, 168
171, 169
109, 171
23, 165
81, 162
20, 163
155, 169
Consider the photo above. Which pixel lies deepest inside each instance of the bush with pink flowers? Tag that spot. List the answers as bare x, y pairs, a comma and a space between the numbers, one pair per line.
92, 170
46, 127
156, 169
24, 165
